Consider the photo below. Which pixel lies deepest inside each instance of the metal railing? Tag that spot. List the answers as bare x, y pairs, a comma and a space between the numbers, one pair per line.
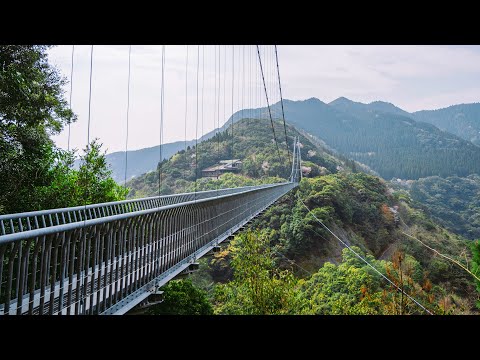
104, 259
13, 223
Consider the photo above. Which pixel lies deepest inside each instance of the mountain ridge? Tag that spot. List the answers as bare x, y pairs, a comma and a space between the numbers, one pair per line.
345, 116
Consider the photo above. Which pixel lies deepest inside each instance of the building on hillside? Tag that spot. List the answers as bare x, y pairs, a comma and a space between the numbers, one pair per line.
224, 166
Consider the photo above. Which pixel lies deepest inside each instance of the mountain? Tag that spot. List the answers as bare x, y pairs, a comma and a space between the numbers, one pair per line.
145, 160
391, 141
462, 120
253, 143
392, 144
140, 161
360, 208
358, 108
386, 107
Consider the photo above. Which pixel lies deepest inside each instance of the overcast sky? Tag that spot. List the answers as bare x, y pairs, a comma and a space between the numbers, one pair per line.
411, 77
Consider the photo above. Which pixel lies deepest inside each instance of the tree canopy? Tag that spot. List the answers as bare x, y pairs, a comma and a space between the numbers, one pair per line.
34, 173
181, 297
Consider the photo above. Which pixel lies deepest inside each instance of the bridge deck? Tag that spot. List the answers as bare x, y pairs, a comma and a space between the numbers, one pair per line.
109, 264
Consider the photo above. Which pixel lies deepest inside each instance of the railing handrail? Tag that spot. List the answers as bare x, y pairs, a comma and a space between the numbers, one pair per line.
94, 206
18, 236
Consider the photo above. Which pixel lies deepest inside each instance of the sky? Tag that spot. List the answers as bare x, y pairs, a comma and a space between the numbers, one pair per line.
411, 77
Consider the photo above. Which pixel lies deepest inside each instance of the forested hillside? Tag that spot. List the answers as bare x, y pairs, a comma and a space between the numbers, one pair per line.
453, 202
391, 144
358, 108
253, 143
297, 267
391, 141
462, 120
142, 160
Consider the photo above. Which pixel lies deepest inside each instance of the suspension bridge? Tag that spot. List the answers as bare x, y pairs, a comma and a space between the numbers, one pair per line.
107, 258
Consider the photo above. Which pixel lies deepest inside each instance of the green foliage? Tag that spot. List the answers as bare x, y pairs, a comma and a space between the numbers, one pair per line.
359, 208
32, 107
461, 120
230, 180
355, 200
476, 264
453, 202
346, 289
387, 140
31, 95
34, 174
259, 287
252, 144
94, 177
181, 297
91, 183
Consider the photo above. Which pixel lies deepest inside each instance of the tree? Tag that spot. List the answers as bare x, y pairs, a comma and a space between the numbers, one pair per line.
259, 287
94, 177
476, 264
395, 298
348, 288
91, 183
181, 297
34, 173
32, 108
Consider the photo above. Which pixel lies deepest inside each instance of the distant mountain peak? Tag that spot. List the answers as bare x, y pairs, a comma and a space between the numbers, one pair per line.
345, 103
380, 102
341, 100
314, 100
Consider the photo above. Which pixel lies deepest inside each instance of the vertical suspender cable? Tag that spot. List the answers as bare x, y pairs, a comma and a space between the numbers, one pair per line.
281, 102
219, 83
257, 103
224, 91
293, 163
162, 107
186, 111
243, 81
219, 89
233, 84
128, 112
70, 102
203, 79
239, 85
299, 159
217, 130
196, 124
82, 300
268, 104
250, 80
89, 108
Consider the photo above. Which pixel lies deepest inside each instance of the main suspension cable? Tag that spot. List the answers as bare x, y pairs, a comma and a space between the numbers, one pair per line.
281, 102
268, 104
